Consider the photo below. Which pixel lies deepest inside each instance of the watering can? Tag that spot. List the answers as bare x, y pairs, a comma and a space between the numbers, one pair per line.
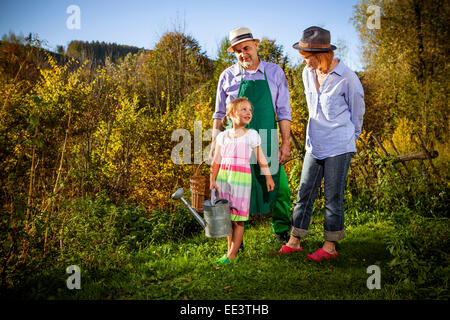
217, 221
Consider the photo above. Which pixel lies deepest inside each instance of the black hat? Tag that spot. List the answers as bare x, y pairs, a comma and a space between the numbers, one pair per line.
314, 39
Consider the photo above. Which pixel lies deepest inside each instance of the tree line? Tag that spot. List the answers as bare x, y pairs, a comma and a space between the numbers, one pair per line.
97, 51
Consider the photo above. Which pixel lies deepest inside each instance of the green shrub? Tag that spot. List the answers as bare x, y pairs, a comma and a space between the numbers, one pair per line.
420, 250
98, 226
135, 228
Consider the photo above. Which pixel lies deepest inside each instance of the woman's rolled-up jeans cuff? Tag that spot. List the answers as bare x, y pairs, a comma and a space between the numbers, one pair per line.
334, 236
299, 233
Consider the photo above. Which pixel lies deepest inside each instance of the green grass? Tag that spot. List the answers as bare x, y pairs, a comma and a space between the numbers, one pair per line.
185, 270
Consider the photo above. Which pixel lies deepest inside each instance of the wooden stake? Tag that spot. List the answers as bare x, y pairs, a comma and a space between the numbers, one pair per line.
30, 193
416, 156
294, 141
396, 152
379, 144
430, 158
386, 153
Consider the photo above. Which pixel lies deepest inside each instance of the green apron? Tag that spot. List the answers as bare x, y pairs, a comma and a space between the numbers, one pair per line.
262, 201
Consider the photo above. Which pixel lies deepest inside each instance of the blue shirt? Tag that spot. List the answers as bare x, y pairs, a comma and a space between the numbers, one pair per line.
335, 112
230, 80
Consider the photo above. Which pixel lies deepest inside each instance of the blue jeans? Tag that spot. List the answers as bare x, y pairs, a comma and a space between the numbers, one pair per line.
334, 172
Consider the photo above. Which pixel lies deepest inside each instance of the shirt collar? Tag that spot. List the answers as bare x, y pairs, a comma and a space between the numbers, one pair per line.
339, 69
237, 67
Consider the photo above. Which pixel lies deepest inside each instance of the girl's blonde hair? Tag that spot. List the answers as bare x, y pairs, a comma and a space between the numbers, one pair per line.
232, 108
324, 58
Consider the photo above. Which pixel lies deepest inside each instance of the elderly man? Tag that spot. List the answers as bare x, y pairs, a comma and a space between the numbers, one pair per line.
264, 85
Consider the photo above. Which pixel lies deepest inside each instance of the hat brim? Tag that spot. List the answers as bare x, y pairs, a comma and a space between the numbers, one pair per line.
298, 47
230, 49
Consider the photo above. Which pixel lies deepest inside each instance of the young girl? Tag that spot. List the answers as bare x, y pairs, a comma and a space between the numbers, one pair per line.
231, 173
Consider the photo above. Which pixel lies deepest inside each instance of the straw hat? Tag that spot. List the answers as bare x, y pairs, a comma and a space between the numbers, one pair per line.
240, 35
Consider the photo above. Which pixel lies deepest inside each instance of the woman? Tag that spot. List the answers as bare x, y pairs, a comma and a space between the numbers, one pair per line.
336, 107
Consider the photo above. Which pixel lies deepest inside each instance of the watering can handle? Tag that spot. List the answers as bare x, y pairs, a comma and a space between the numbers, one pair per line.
214, 195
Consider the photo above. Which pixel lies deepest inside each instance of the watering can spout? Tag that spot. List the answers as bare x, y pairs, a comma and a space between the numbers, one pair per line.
217, 222
178, 195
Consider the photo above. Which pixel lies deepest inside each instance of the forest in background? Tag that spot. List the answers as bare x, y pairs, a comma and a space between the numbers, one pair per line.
86, 140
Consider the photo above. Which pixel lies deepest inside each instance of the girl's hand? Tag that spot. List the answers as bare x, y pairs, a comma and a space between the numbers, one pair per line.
213, 185
270, 184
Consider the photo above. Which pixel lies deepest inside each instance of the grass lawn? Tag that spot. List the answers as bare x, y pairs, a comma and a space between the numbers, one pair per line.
185, 270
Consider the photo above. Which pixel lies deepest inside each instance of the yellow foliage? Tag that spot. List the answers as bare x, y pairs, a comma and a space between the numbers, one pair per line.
363, 140
403, 138
442, 161
405, 141
158, 176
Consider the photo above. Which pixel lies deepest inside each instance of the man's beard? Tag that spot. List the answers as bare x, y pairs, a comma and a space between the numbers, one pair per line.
247, 64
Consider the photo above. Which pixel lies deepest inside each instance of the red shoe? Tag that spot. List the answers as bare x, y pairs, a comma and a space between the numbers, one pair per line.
321, 254
285, 249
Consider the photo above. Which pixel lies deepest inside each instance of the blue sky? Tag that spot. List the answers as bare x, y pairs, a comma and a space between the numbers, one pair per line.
141, 23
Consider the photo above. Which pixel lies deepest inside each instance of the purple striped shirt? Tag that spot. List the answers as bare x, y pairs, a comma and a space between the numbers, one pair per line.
230, 79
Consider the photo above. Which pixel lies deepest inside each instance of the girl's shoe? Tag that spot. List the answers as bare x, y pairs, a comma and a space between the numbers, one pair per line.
321, 254
229, 261
221, 259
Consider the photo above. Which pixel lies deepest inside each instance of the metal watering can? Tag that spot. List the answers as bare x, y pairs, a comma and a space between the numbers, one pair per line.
216, 212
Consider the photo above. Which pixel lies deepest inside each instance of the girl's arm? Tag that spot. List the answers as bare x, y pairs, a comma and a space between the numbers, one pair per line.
215, 166
264, 167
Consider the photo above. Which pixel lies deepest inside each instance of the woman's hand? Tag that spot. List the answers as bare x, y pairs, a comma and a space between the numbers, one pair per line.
270, 184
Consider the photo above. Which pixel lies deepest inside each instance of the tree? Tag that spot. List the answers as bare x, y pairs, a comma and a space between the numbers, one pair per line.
60, 49
406, 64
174, 69
271, 52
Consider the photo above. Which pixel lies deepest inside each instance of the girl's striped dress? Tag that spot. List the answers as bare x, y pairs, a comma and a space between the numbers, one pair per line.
234, 179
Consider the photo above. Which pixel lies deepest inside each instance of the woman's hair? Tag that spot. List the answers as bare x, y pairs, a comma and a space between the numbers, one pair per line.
324, 58
232, 108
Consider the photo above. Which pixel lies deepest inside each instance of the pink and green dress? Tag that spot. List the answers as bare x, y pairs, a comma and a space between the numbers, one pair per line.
234, 179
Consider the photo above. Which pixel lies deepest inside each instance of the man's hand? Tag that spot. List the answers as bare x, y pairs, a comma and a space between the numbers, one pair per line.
284, 153
270, 183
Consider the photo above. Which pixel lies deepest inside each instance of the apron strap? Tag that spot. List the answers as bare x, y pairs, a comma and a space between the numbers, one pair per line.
242, 74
